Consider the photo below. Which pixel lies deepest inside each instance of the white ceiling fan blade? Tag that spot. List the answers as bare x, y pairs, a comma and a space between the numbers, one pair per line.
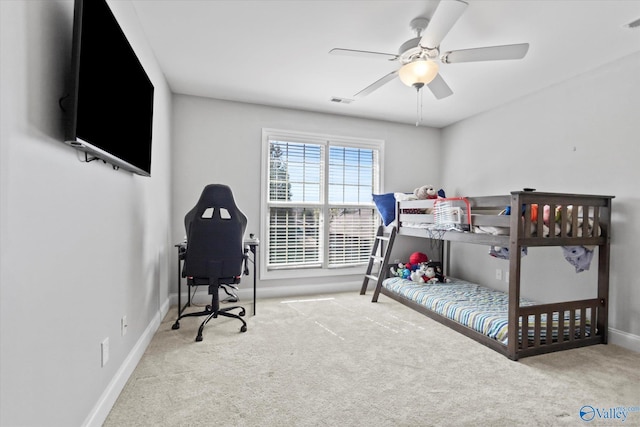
446, 14
492, 53
376, 85
363, 53
439, 87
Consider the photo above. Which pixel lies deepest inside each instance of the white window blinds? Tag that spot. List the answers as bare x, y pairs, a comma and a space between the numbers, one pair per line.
319, 205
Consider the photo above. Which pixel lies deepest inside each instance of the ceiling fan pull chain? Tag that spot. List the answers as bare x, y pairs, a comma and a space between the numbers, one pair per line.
420, 94
418, 107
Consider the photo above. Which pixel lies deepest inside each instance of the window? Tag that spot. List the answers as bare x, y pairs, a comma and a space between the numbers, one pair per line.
318, 210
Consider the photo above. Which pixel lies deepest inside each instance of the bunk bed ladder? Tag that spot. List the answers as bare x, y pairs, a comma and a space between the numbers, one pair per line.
380, 253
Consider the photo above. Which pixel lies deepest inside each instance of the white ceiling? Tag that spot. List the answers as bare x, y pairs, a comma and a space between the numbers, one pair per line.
276, 52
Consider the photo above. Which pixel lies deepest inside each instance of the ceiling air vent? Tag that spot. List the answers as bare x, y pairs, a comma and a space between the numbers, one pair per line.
341, 100
634, 24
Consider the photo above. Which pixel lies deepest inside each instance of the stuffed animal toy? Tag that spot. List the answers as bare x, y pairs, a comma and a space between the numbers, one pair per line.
420, 274
547, 217
425, 192
417, 258
434, 273
396, 270
403, 270
406, 271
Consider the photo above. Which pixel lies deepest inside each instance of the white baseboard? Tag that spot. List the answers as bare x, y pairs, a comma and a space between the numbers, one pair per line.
101, 410
299, 290
624, 339
246, 294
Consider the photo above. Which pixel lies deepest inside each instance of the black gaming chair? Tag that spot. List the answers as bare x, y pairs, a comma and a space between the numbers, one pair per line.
215, 252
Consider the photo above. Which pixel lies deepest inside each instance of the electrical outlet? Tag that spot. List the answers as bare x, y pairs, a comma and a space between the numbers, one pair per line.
498, 274
104, 347
506, 276
124, 325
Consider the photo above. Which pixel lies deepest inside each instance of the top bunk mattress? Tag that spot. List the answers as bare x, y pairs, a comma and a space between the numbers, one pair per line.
545, 219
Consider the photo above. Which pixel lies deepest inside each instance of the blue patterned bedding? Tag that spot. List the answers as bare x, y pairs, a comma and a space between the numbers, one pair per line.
477, 307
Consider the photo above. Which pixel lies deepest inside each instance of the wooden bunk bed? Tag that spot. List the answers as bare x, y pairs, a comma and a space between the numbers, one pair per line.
576, 220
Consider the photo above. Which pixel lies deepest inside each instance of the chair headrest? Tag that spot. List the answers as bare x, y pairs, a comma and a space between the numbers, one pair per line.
216, 195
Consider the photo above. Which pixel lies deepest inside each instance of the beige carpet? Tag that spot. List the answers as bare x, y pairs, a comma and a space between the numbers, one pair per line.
340, 360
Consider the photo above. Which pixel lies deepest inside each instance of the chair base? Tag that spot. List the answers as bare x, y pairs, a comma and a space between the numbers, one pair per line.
232, 294
211, 312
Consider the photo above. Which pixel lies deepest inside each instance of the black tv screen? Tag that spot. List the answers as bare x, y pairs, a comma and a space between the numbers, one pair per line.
111, 99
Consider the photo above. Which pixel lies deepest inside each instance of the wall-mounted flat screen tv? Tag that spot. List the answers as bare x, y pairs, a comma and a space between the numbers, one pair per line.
110, 107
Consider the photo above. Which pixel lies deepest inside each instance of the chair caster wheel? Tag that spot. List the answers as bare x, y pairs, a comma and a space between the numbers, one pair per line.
243, 328
241, 313
175, 326
199, 338
208, 308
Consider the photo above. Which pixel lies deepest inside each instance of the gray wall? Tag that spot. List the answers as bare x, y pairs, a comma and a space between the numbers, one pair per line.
81, 244
220, 142
580, 136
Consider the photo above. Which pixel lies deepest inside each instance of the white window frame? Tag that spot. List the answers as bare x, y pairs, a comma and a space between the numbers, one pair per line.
312, 138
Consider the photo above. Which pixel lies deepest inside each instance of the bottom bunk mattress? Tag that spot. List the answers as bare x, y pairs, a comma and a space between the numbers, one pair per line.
477, 307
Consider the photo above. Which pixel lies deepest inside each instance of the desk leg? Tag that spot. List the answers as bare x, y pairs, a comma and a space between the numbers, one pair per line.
179, 287
255, 261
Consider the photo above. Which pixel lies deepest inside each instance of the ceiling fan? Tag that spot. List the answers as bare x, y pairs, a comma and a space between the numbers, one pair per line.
418, 56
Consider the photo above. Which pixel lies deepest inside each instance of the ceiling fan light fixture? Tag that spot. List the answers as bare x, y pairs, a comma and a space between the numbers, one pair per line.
418, 73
